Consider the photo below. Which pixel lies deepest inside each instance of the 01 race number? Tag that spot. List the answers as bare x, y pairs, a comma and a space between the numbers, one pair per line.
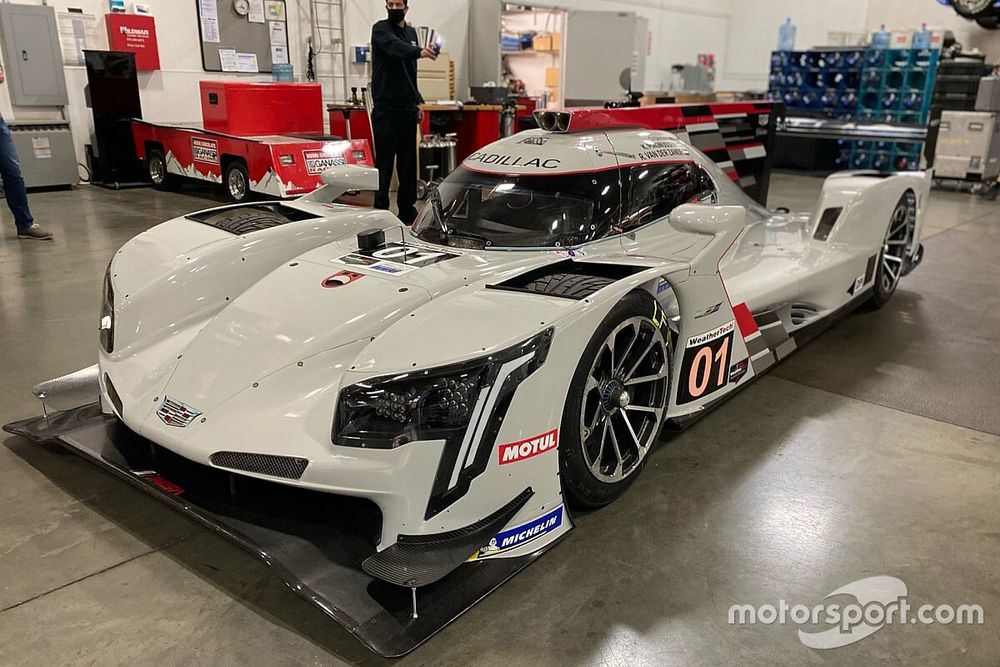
705, 367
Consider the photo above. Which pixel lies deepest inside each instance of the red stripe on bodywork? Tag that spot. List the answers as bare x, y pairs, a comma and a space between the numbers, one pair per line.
744, 318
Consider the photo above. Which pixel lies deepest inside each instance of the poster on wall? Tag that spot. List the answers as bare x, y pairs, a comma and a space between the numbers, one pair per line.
256, 14
77, 31
279, 34
247, 63
275, 10
209, 21
230, 63
136, 33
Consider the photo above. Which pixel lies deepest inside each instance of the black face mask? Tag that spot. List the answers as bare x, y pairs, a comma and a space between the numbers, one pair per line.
397, 16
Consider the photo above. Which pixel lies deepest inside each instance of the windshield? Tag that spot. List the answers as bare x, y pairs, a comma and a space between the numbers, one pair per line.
489, 210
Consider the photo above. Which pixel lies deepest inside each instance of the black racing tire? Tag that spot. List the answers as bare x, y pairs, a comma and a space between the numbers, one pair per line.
587, 483
898, 242
971, 9
569, 285
156, 170
244, 220
236, 182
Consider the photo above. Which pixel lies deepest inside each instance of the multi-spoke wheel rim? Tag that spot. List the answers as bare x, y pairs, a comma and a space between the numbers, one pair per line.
237, 186
624, 399
157, 170
897, 242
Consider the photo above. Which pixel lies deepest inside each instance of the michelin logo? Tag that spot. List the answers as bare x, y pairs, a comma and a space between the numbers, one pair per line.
521, 535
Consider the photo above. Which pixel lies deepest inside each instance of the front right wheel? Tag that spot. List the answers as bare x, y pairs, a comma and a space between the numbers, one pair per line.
616, 403
895, 250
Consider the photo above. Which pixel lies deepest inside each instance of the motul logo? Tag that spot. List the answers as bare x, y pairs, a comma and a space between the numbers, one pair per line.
513, 452
134, 32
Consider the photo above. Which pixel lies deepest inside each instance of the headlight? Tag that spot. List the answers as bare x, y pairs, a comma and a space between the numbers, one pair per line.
108, 314
440, 404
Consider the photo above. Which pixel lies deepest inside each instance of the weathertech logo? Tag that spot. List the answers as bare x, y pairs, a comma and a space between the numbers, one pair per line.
513, 452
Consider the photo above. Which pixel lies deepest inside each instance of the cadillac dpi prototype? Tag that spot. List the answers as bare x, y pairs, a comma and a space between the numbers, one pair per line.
400, 419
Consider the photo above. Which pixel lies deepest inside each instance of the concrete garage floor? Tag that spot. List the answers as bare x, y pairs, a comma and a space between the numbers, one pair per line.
874, 451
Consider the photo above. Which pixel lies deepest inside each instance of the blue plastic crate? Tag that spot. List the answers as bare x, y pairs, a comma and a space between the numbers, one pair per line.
893, 86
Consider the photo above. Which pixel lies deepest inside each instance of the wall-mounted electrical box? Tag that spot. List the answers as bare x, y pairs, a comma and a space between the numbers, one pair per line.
32, 55
362, 54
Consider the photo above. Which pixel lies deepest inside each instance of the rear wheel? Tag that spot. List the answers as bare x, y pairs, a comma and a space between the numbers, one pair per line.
236, 182
616, 403
989, 22
971, 9
895, 249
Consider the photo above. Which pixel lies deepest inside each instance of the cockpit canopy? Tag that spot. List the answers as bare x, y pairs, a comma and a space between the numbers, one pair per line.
488, 210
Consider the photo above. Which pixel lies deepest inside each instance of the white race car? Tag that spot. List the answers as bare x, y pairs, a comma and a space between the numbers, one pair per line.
566, 294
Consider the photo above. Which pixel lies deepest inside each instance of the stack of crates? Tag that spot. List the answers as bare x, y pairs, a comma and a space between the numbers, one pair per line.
871, 86
879, 155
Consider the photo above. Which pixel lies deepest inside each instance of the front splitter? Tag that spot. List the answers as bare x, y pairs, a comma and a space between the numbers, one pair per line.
314, 542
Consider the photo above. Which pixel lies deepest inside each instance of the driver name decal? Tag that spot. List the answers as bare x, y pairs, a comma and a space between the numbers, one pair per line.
494, 159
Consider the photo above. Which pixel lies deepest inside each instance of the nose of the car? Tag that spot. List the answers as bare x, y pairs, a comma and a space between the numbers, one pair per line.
299, 311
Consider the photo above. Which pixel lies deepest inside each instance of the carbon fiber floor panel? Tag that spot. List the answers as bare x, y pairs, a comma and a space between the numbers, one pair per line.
314, 542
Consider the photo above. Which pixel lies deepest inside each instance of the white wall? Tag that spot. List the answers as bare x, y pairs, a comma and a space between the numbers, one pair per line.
170, 95
741, 33
908, 14
754, 27
450, 18
680, 29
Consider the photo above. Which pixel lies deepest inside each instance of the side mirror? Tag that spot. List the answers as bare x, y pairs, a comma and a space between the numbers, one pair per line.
350, 177
723, 223
714, 220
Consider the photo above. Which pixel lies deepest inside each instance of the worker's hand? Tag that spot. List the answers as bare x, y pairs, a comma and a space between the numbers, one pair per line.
420, 115
2, 77
429, 53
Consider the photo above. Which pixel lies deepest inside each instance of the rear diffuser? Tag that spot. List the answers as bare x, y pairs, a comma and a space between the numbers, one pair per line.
314, 542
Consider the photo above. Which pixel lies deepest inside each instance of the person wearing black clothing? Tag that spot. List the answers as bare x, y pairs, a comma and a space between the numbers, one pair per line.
397, 113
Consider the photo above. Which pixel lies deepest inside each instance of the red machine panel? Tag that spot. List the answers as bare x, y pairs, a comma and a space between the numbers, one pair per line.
259, 109
131, 32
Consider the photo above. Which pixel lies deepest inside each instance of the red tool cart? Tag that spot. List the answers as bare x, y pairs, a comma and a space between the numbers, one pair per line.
263, 138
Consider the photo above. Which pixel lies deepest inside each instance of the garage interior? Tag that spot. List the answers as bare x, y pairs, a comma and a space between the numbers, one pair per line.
873, 451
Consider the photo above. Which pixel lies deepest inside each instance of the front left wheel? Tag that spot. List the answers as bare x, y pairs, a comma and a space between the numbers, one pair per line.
616, 403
